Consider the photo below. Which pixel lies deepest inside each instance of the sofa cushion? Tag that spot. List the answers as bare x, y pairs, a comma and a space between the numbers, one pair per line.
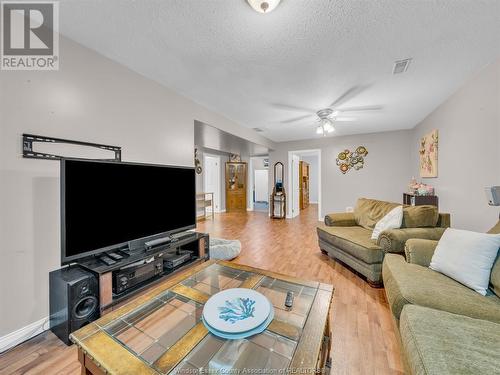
369, 211
495, 277
353, 240
495, 271
407, 283
437, 342
392, 220
420, 216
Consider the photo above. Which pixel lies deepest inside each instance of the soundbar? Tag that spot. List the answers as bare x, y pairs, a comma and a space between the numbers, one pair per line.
168, 239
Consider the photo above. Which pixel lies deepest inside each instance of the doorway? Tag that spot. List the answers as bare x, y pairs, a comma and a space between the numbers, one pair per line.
259, 183
304, 182
212, 179
261, 200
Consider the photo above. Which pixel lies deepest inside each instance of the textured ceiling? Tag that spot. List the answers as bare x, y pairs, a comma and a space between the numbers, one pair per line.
307, 53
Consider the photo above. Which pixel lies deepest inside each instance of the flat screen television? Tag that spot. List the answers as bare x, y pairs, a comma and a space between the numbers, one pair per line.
105, 205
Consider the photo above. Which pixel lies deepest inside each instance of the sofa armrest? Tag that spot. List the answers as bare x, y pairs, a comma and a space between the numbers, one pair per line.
341, 219
444, 220
420, 251
393, 240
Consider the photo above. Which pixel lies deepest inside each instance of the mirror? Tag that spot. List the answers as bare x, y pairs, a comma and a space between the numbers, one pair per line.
278, 177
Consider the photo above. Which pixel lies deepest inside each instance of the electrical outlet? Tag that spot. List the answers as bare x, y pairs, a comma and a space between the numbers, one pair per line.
349, 209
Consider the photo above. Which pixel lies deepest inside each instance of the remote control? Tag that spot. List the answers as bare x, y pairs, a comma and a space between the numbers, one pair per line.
107, 260
289, 300
114, 256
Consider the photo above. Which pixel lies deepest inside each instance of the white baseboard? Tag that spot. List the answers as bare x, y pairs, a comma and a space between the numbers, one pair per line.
22, 334
312, 202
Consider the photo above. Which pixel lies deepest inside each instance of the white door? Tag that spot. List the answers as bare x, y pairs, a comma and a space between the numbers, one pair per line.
295, 185
211, 173
261, 185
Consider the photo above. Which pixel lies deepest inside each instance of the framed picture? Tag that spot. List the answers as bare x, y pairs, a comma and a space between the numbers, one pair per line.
429, 154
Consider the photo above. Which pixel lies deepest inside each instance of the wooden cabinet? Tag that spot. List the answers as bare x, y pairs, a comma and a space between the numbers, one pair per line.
236, 186
304, 185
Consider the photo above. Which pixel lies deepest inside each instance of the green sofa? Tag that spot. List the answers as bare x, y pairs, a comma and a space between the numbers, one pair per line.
445, 327
347, 236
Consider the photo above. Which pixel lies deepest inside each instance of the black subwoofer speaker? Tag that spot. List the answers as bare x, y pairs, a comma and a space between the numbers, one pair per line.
74, 300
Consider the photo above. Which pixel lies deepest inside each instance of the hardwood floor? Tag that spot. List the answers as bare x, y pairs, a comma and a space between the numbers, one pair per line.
364, 340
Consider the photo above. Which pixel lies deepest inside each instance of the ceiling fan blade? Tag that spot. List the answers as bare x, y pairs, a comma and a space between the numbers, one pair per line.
361, 108
349, 94
292, 108
345, 119
295, 119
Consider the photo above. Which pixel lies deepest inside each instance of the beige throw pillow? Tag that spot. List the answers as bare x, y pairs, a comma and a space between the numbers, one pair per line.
466, 257
392, 220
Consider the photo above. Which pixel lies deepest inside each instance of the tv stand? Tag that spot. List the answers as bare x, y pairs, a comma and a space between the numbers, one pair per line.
107, 264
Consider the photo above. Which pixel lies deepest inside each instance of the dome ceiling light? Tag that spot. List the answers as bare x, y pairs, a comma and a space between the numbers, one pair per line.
325, 122
263, 6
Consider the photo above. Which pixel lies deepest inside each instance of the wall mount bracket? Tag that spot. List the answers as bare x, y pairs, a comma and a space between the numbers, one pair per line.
30, 139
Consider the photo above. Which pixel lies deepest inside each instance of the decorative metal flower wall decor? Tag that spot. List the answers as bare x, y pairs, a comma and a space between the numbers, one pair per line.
347, 159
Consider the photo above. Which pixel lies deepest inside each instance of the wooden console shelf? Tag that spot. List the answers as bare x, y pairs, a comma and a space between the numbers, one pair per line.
204, 200
108, 300
419, 200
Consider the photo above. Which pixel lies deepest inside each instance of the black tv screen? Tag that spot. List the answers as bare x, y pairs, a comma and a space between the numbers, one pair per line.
105, 205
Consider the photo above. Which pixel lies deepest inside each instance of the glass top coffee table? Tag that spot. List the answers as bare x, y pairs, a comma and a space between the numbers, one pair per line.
161, 331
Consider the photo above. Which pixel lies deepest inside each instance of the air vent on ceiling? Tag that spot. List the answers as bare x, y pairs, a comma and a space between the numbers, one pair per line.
401, 66
258, 130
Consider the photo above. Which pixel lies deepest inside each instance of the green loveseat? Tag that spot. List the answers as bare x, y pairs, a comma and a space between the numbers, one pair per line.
445, 327
347, 236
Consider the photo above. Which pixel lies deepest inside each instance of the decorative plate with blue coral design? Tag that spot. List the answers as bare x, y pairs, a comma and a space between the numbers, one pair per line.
236, 310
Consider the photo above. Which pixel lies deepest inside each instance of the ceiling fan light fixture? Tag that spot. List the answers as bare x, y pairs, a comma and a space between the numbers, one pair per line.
263, 6
319, 130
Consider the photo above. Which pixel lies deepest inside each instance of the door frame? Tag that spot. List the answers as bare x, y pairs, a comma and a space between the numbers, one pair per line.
291, 214
317, 152
217, 197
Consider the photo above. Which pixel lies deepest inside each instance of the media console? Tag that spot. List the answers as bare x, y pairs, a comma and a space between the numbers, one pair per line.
122, 274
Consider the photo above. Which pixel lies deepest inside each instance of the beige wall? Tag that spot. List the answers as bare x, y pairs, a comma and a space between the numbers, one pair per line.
92, 99
469, 150
385, 175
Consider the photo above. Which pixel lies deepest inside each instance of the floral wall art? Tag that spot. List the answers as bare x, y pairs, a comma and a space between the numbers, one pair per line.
429, 154
347, 160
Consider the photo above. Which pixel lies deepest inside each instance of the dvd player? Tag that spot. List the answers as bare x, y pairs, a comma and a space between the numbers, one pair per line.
172, 260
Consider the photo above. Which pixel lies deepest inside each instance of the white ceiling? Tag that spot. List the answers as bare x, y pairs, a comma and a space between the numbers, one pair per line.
307, 53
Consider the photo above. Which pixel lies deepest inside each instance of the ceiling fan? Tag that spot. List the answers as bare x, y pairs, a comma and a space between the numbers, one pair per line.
329, 115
